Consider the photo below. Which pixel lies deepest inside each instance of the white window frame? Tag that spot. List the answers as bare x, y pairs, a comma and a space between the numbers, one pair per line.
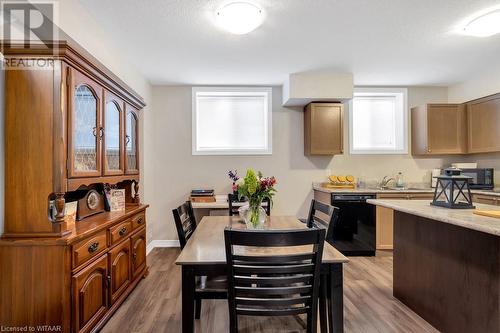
380, 92
242, 91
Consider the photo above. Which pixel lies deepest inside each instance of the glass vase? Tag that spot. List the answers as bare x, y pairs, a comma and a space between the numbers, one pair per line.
254, 217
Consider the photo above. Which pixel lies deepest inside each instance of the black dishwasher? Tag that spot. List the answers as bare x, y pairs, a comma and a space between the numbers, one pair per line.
354, 232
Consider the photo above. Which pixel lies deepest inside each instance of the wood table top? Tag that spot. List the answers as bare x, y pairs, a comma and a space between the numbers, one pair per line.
206, 245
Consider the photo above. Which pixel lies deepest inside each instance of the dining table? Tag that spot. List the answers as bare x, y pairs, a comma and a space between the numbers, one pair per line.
204, 255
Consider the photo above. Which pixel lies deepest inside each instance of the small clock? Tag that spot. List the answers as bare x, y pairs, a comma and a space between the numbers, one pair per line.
92, 203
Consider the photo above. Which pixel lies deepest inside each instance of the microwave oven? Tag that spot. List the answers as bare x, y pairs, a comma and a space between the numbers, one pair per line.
481, 178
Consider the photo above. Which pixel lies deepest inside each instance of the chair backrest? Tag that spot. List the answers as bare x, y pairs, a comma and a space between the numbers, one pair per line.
283, 282
184, 222
327, 218
233, 210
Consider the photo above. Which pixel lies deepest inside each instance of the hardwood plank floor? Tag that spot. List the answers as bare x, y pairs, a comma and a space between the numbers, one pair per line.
155, 305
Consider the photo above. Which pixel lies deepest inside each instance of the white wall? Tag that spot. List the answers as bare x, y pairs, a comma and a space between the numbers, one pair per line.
176, 171
477, 86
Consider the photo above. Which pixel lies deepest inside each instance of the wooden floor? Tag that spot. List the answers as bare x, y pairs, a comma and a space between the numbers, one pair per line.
155, 305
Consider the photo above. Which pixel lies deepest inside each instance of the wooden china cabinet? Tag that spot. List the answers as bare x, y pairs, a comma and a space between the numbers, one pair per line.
70, 126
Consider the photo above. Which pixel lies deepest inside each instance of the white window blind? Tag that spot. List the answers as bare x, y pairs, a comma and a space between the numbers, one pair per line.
231, 121
379, 121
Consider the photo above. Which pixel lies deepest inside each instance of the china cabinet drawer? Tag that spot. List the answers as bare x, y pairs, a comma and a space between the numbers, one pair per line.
139, 220
119, 232
89, 248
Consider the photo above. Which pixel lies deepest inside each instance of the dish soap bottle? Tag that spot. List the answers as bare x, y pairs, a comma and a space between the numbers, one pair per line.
399, 180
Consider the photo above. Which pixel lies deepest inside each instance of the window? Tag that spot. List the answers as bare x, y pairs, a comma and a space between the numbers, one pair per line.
378, 121
232, 121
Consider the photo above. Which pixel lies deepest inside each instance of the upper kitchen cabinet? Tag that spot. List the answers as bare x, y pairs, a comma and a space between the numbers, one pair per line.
85, 132
323, 129
439, 129
131, 141
484, 124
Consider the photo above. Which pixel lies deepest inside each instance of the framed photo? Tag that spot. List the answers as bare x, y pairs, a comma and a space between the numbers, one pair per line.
70, 209
117, 200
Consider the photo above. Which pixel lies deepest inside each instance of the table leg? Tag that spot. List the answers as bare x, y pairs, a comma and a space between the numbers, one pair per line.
336, 301
188, 289
322, 303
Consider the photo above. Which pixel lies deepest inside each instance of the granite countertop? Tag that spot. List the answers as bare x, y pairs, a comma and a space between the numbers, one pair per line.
318, 187
460, 217
416, 189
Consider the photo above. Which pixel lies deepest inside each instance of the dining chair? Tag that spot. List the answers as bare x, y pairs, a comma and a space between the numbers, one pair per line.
328, 217
233, 210
270, 281
212, 287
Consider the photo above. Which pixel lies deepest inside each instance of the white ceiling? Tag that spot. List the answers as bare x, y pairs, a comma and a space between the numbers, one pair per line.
382, 42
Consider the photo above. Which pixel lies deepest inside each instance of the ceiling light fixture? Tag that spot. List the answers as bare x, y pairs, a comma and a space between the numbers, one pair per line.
485, 25
239, 17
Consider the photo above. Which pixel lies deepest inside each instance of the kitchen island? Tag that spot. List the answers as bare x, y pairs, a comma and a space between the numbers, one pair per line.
447, 264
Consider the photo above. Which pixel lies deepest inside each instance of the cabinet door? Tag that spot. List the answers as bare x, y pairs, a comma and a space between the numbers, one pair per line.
113, 135
132, 141
323, 129
85, 131
138, 253
119, 269
447, 132
90, 295
485, 199
484, 125
385, 228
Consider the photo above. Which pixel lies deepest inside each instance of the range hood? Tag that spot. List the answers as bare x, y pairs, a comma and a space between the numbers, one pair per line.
303, 88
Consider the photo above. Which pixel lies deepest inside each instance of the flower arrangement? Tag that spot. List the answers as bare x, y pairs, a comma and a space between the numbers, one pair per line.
256, 188
233, 175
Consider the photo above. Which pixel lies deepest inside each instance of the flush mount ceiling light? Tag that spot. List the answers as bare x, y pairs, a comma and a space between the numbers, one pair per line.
239, 17
485, 25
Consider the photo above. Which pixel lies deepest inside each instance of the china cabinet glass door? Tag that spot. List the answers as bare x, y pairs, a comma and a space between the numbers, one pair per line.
86, 132
131, 141
113, 147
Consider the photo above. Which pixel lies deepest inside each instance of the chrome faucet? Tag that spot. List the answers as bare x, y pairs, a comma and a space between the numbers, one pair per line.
385, 181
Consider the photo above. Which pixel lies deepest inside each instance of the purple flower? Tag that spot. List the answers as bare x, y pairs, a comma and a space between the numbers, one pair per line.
233, 175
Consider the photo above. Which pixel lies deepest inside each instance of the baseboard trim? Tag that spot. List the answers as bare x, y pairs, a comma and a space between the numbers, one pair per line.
161, 243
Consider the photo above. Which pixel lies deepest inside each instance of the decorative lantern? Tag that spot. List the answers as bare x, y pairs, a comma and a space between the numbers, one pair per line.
452, 190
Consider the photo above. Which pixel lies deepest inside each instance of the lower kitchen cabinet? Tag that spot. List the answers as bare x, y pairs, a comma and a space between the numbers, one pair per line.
138, 253
90, 296
385, 217
486, 199
119, 263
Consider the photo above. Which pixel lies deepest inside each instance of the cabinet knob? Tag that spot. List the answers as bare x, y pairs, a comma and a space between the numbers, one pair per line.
93, 247
134, 255
122, 231
139, 221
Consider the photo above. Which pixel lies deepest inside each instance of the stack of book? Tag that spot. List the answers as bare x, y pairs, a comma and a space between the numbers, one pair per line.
202, 196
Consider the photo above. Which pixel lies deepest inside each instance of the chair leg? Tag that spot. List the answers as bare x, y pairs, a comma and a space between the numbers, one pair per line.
197, 312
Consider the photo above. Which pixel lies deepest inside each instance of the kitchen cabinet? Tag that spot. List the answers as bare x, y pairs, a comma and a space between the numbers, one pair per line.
323, 129
438, 129
486, 199
483, 116
385, 217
